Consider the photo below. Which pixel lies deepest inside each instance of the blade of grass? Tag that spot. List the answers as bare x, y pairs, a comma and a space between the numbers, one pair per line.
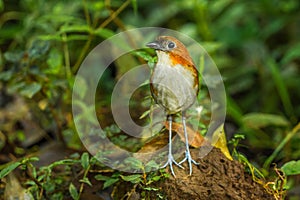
234, 111
281, 88
201, 69
281, 145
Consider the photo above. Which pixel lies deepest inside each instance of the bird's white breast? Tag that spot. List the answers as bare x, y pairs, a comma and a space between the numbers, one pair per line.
174, 85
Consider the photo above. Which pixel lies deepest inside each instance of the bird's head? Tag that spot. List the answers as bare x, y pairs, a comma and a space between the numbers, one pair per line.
173, 47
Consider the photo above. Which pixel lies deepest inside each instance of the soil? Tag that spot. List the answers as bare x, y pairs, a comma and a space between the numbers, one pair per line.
215, 178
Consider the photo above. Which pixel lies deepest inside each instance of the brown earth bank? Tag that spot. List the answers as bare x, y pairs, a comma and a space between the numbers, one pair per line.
215, 178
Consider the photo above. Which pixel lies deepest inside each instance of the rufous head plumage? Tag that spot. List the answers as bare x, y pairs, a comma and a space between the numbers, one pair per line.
177, 51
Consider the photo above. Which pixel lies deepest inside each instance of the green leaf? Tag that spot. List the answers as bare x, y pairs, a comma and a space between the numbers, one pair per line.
135, 6
136, 178
1, 5
16, 87
50, 37
151, 165
273, 27
100, 177
30, 90
49, 186
74, 28
150, 189
113, 128
86, 180
291, 168
62, 162
57, 196
34, 174
144, 55
85, 162
81, 87
30, 183
54, 62
6, 75
260, 120
76, 37
30, 159
292, 53
110, 182
9, 169
156, 178
212, 46
134, 163
104, 33
73, 191
14, 56
145, 114
38, 48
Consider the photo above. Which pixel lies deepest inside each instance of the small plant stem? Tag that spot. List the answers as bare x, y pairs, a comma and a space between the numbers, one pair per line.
82, 184
281, 145
67, 57
86, 13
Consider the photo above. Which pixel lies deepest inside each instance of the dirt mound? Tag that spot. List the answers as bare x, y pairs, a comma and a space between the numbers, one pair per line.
215, 178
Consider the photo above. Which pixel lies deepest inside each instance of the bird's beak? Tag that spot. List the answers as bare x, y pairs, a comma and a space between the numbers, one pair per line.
154, 45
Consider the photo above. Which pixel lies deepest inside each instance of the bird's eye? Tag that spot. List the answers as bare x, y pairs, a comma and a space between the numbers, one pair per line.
171, 45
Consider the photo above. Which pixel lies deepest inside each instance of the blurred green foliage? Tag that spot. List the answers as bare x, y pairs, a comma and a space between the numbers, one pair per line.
255, 45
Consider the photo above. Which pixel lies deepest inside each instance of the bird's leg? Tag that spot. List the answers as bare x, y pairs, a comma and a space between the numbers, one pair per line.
170, 156
188, 156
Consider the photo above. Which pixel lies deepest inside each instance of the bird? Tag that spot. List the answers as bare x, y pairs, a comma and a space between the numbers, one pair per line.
174, 86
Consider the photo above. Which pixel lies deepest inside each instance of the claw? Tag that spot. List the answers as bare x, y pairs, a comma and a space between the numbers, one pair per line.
190, 160
170, 163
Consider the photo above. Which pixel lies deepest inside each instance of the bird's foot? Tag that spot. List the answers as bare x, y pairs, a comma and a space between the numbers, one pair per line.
170, 162
190, 160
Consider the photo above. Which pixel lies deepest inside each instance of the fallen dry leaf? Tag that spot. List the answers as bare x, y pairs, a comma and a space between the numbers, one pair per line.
195, 139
